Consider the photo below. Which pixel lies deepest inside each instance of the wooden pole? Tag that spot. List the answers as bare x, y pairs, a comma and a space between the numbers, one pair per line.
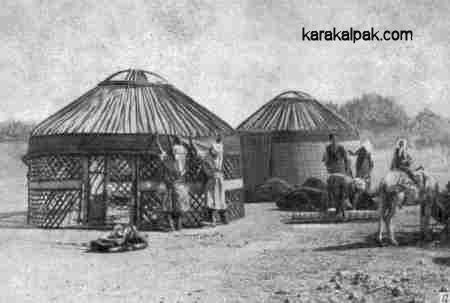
135, 192
29, 197
105, 187
85, 191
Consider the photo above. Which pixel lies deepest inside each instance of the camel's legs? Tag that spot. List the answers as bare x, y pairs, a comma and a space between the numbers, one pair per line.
390, 224
381, 220
380, 229
391, 234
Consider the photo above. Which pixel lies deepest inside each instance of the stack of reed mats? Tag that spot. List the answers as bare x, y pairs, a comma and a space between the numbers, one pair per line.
330, 217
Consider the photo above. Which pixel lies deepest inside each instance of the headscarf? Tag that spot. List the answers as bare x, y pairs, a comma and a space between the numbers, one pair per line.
367, 146
404, 141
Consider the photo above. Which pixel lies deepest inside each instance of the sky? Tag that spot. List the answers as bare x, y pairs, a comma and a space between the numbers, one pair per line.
230, 56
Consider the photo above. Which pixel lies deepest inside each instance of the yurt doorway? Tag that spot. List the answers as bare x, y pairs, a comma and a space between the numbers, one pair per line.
110, 189
256, 161
97, 191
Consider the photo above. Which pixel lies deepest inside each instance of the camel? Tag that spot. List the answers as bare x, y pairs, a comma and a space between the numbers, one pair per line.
391, 193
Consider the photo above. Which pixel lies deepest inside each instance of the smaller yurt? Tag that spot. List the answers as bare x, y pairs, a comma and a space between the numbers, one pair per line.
286, 138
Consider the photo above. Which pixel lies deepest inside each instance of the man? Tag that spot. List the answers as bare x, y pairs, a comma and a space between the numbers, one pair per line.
335, 158
364, 162
215, 194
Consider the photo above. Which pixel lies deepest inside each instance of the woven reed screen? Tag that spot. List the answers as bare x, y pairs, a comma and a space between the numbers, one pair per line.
297, 161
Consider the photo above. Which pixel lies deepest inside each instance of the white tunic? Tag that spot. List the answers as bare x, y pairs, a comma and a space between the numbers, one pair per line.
218, 150
179, 153
215, 194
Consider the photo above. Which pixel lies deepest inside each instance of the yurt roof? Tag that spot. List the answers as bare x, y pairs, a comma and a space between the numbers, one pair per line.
133, 102
299, 112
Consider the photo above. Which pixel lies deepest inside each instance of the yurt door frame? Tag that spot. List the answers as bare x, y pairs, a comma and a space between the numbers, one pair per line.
111, 189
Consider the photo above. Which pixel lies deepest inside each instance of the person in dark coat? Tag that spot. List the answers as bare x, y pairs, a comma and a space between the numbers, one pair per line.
335, 158
364, 162
175, 169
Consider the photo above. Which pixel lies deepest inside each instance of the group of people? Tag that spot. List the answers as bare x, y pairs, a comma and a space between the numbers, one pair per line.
337, 161
178, 160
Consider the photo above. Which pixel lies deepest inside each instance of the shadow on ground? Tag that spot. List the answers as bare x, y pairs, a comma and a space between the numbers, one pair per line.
14, 219
403, 239
445, 261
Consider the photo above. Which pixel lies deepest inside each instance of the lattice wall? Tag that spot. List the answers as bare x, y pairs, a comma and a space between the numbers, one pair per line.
54, 208
232, 166
111, 190
57, 167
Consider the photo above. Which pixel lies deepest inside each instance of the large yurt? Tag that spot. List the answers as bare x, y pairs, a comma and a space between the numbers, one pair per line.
95, 162
286, 138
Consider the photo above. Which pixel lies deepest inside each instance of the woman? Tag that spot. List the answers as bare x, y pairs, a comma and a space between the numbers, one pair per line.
215, 194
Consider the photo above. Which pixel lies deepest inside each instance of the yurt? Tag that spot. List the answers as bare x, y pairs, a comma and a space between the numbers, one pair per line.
286, 138
95, 162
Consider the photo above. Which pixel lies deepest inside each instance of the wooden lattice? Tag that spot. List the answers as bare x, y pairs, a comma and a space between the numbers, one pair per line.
110, 188
153, 210
232, 166
54, 208
120, 168
150, 168
235, 204
55, 168
119, 189
196, 215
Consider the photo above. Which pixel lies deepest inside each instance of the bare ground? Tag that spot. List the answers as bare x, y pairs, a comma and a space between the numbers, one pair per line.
255, 259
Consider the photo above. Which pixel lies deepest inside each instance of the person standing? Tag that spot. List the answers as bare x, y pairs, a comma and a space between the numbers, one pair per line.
335, 158
215, 193
175, 165
364, 162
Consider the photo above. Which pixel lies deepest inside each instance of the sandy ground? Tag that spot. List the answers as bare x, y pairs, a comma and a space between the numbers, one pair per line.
255, 259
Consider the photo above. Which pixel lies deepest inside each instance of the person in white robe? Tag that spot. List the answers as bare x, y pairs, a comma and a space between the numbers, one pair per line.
215, 193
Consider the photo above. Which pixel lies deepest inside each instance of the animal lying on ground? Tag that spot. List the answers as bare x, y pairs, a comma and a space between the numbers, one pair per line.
391, 194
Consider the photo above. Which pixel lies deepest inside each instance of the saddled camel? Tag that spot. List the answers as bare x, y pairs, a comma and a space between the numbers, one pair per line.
391, 193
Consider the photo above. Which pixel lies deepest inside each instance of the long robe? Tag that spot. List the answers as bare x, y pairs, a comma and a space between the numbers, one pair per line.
215, 193
178, 198
364, 163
